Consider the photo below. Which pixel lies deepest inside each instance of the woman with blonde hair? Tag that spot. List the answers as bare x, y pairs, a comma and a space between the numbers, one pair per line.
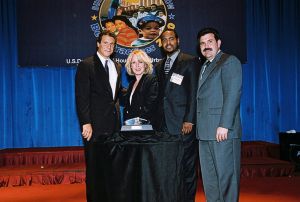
141, 97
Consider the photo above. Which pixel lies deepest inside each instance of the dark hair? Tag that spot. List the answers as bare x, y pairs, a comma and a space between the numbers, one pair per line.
103, 22
209, 30
122, 18
125, 20
170, 30
106, 33
160, 10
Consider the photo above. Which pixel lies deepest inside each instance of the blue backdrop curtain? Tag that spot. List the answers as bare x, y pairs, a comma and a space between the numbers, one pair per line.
271, 97
38, 106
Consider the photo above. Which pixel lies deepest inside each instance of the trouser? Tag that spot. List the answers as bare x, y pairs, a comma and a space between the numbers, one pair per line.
189, 167
189, 163
95, 158
220, 168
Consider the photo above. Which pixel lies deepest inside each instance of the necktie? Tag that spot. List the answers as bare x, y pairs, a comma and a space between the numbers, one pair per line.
204, 68
106, 68
167, 66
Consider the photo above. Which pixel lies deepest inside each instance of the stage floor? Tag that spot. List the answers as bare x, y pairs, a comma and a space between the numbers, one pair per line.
262, 189
58, 174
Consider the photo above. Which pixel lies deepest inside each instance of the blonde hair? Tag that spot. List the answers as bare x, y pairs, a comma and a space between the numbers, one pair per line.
142, 57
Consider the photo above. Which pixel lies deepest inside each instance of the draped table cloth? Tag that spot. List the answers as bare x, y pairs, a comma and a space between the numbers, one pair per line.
143, 168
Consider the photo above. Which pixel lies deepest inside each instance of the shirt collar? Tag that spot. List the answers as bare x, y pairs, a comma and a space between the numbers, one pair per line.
174, 55
102, 59
215, 56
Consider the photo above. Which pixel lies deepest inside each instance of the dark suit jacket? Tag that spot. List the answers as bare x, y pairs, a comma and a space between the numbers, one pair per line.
144, 98
177, 102
218, 98
94, 98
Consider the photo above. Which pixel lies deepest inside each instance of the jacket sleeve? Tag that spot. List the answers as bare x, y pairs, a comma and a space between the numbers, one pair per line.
231, 87
82, 93
191, 88
150, 91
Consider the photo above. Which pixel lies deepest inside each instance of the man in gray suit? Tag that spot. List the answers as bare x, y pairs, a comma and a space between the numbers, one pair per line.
218, 119
176, 110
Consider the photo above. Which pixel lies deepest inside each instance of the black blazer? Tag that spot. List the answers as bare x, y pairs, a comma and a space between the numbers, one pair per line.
144, 98
94, 99
177, 102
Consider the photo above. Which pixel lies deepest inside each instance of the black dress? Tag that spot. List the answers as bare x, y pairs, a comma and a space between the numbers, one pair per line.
144, 98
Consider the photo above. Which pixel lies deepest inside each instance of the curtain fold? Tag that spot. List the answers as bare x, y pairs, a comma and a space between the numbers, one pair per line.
270, 101
38, 104
7, 62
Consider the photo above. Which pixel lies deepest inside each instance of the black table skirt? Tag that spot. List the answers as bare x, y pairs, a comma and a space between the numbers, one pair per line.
143, 168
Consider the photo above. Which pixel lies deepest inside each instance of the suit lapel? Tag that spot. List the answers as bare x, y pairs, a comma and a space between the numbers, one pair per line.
137, 89
102, 74
160, 69
209, 69
140, 84
173, 68
118, 69
161, 73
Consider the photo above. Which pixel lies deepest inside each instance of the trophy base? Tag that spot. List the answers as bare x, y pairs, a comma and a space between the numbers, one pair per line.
137, 130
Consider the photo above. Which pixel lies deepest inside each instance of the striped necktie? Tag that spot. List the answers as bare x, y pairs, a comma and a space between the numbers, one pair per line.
204, 68
167, 66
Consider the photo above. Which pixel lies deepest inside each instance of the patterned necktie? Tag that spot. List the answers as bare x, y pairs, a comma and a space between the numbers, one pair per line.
106, 68
167, 66
204, 68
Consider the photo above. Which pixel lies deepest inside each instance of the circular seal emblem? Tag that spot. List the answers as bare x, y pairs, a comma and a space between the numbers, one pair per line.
136, 23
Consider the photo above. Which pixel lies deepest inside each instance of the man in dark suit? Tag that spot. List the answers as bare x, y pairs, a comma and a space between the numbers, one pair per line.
96, 89
218, 119
177, 76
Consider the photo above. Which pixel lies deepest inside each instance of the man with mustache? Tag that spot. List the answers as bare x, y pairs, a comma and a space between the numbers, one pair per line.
177, 75
218, 119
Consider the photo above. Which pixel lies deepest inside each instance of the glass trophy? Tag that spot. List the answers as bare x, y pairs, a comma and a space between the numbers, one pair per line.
136, 124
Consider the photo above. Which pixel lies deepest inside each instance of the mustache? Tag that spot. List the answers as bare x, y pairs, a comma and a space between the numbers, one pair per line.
206, 49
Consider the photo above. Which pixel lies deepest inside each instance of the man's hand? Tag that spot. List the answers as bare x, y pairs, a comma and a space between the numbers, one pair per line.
87, 131
186, 128
222, 134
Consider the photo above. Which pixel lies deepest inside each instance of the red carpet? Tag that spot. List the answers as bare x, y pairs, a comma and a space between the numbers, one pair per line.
57, 174
264, 189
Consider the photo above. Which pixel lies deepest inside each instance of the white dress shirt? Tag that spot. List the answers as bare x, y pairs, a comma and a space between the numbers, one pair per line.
113, 74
